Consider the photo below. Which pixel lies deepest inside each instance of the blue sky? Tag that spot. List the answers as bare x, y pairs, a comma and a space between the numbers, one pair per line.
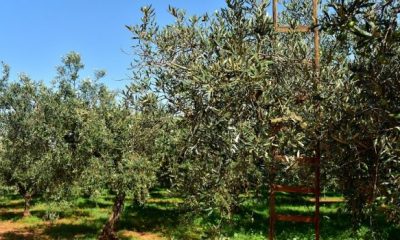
35, 34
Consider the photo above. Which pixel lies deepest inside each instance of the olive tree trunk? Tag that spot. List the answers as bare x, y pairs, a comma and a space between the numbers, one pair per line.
27, 198
108, 232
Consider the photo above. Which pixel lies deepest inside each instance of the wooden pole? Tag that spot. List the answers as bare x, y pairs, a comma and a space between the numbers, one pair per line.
318, 147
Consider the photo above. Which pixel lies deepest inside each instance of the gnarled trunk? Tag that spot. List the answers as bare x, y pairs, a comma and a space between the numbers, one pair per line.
27, 198
108, 232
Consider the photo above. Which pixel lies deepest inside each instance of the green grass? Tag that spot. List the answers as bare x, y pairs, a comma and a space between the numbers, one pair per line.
84, 217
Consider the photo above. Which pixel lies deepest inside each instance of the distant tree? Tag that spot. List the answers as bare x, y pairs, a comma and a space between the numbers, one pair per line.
129, 157
78, 133
28, 137
49, 135
80, 124
111, 138
108, 144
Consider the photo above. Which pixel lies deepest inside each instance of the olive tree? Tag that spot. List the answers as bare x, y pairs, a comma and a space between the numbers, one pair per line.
128, 154
365, 134
227, 78
112, 138
49, 135
29, 138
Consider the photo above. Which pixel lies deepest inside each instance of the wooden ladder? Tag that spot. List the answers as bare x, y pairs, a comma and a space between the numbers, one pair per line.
310, 161
274, 217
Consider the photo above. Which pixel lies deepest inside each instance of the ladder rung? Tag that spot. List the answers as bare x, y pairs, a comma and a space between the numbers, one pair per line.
294, 218
292, 189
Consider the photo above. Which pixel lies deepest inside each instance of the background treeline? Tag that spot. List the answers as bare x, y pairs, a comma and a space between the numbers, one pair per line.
200, 115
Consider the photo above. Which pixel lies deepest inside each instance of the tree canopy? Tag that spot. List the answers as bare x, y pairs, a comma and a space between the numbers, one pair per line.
202, 113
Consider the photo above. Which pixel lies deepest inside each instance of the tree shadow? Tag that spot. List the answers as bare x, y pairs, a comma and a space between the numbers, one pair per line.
12, 204
84, 230
90, 203
69, 213
253, 218
10, 216
163, 216
11, 196
17, 236
150, 217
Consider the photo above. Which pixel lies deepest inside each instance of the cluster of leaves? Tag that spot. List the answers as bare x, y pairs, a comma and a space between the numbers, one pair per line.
365, 135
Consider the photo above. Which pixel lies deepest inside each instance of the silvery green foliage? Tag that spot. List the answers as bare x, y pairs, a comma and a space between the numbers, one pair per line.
48, 134
109, 142
76, 137
28, 136
225, 77
365, 134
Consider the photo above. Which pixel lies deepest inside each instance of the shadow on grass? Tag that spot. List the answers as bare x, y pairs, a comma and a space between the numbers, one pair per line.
82, 230
147, 218
11, 196
160, 194
253, 218
17, 236
10, 216
162, 217
250, 218
42, 214
12, 204
89, 203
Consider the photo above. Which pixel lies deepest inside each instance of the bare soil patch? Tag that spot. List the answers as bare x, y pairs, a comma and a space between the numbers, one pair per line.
141, 235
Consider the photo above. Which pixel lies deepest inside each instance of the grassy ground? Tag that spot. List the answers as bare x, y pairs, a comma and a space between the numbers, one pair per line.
160, 218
